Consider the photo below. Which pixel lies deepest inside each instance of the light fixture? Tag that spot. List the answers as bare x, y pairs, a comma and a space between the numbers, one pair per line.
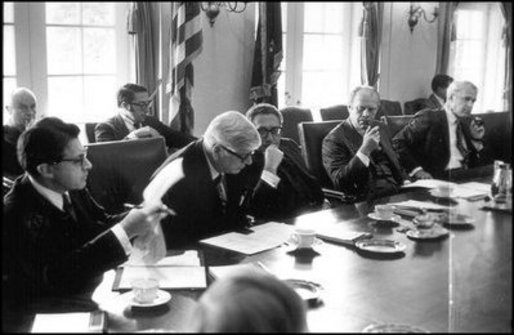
212, 8
415, 12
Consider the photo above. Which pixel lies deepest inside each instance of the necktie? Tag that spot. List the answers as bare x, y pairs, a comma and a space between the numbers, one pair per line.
68, 207
460, 143
220, 187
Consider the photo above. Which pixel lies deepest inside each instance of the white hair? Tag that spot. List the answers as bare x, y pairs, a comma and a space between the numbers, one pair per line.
233, 130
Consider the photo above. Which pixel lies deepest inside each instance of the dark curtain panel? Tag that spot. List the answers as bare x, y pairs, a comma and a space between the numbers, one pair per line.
446, 33
371, 33
139, 26
268, 54
506, 8
186, 45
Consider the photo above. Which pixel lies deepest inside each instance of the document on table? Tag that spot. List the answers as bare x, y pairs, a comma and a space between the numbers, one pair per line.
419, 205
470, 190
428, 183
82, 322
338, 234
261, 237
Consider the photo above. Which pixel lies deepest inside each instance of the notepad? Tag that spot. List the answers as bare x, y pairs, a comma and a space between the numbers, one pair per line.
340, 235
83, 322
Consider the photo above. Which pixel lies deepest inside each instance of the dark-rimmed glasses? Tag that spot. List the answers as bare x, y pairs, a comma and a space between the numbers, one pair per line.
81, 160
242, 158
273, 131
142, 104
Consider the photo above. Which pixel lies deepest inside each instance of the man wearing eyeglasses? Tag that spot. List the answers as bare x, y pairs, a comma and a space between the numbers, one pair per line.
218, 181
133, 121
358, 154
286, 188
57, 241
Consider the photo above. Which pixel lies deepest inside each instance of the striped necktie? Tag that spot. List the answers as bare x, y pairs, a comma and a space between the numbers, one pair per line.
68, 207
461, 144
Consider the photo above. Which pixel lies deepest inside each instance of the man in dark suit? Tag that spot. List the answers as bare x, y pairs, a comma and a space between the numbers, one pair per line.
22, 113
358, 155
57, 241
132, 120
212, 194
439, 85
286, 188
438, 142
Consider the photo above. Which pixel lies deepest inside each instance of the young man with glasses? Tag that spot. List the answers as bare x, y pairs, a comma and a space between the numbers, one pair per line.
286, 188
217, 183
133, 121
57, 241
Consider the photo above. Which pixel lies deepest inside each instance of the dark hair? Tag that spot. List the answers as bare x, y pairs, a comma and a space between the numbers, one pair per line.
128, 92
264, 109
44, 143
441, 81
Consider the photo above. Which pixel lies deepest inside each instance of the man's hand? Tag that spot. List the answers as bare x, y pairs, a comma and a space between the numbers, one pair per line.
273, 157
140, 221
477, 129
370, 140
422, 174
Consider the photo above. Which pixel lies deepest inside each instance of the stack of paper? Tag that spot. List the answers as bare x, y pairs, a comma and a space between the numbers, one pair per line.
83, 322
428, 183
338, 234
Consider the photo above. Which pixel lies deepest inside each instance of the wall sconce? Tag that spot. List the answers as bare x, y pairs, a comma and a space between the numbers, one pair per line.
212, 8
415, 12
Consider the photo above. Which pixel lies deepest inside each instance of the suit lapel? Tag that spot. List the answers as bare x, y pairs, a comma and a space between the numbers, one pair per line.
350, 136
119, 127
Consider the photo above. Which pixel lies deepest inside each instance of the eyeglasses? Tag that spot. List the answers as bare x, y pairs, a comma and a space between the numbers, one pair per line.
361, 109
142, 104
273, 131
81, 160
242, 158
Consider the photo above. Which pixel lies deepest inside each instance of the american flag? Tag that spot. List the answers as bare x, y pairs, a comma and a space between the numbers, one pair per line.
186, 45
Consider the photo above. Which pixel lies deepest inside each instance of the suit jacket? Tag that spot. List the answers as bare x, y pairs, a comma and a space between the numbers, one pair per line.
347, 172
297, 192
10, 166
425, 142
46, 253
196, 201
114, 129
432, 102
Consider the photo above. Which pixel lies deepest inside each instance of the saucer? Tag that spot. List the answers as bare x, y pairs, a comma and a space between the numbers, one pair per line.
435, 193
457, 220
427, 234
162, 298
380, 246
393, 218
393, 328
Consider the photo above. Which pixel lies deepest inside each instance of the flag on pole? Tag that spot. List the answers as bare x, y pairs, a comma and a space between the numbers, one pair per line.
186, 45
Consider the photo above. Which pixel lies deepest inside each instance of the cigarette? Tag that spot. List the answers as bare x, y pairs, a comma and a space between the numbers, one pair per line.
166, 209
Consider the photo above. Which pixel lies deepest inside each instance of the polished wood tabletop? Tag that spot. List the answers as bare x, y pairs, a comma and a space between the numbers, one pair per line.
460, 283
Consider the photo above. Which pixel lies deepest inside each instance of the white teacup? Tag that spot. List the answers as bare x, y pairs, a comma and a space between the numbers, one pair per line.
443, 191
384, 212
145, 290
303, 238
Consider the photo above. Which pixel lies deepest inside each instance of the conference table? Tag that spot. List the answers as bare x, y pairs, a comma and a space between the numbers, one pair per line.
460, 283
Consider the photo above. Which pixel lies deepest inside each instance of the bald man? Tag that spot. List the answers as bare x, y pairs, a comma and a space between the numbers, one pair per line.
438, 142
21, 111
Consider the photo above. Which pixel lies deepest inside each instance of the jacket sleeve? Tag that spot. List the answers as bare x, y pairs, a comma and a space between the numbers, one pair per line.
104, 132
173, 138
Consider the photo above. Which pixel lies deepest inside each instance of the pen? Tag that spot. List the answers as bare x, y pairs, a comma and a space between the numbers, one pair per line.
166, 209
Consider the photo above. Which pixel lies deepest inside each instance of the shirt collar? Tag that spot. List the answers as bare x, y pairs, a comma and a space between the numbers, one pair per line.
214, 173
55, 198
452, 118
441, 101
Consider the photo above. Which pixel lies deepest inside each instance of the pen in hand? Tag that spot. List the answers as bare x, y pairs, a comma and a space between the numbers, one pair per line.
162, 209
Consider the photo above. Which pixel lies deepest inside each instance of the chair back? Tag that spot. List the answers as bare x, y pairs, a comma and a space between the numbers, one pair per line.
292, 117
396, 123
90, 131
122, 169
311, 140
498, 134
337, 112
414, 106
389, 108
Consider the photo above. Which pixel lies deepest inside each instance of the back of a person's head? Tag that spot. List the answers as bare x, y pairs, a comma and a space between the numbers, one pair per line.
44, 143
250, 302
128, 92
441, 81
264, 109
233, 130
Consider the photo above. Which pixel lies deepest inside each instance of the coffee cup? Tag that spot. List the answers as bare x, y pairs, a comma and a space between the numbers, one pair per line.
384, 212
303, 238
424, 221
145, 290
444, 190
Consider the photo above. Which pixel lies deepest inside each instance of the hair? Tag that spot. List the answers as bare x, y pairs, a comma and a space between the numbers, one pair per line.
250, 302
264, 109
458, 86
45, 142
441, 81
234, 130
127, 93
357, 89
17, 92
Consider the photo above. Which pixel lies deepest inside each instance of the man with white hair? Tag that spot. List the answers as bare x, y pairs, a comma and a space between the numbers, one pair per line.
212, 195
439, 142
21, 111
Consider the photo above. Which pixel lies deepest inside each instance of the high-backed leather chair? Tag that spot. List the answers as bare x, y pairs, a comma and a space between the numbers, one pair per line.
337, 112
498, 134
396, 123
292, 117
90, 131
122, 169
389, 108
414, 106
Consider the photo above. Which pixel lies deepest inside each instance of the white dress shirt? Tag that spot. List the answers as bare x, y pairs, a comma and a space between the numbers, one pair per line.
456, 157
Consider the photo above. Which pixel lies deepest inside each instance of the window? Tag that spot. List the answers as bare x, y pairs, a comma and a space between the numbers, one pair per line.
9, 54
478, 54
322, 53
74, 56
